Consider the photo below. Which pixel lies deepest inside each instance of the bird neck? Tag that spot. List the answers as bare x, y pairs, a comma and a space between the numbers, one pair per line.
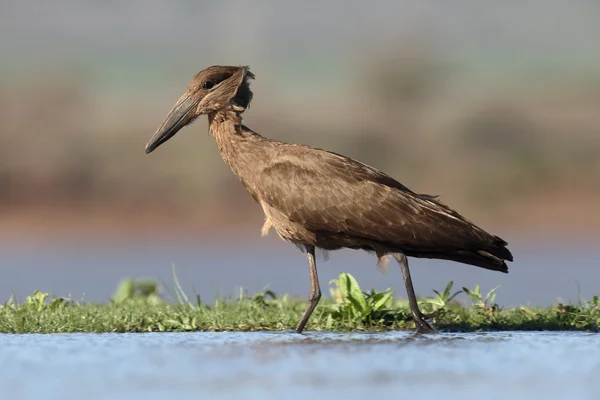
239, 146
226, 128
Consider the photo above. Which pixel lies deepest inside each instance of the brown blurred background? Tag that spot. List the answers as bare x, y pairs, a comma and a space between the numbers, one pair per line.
492, 105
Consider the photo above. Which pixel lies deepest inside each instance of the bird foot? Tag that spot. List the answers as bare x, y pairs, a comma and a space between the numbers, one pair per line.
424, 327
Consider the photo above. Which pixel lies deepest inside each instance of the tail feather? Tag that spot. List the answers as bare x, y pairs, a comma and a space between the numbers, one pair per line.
480, 259
492, 257
498, 249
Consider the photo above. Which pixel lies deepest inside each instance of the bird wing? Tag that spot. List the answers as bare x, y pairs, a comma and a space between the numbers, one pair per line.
325, 191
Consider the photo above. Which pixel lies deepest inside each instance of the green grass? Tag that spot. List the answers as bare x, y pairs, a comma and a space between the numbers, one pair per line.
137, 306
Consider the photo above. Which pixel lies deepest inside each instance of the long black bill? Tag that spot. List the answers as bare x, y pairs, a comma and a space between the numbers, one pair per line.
177, 118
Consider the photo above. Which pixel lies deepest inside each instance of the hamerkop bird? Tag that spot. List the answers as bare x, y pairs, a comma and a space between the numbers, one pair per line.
319, 199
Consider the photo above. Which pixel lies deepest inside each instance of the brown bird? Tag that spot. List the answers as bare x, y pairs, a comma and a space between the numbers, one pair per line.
319, 199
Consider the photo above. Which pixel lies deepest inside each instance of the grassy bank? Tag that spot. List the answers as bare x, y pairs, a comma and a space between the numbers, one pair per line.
137, 306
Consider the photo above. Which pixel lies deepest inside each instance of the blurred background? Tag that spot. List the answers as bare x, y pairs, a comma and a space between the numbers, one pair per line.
494, 106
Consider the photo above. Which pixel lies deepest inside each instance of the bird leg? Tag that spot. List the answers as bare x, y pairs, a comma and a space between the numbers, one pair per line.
315, 290
422, 325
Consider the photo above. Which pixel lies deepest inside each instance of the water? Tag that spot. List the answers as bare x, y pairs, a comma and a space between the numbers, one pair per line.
90, 268
515, 365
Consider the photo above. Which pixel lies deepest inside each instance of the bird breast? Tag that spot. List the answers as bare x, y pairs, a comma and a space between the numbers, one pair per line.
286, 229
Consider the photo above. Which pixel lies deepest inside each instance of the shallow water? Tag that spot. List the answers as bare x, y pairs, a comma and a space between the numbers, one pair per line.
515, 365
91, 269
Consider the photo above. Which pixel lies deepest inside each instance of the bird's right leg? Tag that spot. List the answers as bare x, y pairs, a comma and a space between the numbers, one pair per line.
315, 289
422, 325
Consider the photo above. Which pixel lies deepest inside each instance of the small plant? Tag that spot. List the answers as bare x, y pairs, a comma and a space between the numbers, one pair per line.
260, 298
37, 302
137, 290
180, 293
10, 303
486, 303
528, 312
442, 300
351, 303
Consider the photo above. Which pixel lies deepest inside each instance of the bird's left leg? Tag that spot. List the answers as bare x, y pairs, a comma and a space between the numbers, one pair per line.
422, 325
315, 289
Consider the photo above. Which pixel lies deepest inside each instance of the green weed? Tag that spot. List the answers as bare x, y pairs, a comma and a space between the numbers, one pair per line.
441, 300
355, 306
137, 306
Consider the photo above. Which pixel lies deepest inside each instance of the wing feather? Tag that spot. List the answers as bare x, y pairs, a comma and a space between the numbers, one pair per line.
327, 192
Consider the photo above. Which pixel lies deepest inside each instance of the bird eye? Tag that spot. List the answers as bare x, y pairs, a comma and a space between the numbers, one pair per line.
208, 85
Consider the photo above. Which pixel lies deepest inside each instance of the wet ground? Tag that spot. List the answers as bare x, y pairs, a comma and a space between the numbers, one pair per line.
515, 365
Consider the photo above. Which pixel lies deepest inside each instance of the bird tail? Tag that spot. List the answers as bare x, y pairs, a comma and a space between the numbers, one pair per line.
492, 257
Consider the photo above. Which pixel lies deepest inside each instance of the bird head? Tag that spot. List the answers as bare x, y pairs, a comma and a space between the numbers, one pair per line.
212, 89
